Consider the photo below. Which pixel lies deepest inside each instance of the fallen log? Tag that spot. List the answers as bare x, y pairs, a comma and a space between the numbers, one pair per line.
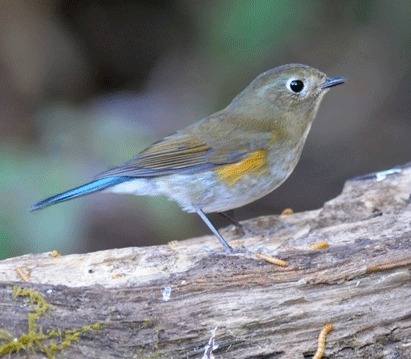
346, 264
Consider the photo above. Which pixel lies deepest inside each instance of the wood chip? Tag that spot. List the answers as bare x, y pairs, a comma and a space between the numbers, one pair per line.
286, 212
320, 246
23, 273
55, 253
322, 338
173, 245
272, 260
118, 275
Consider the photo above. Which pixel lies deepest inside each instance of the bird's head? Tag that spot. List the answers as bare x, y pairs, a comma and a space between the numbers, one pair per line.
289, 93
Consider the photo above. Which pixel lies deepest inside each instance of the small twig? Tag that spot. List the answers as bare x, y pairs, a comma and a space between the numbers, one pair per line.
388, 265
322, 340
272, 260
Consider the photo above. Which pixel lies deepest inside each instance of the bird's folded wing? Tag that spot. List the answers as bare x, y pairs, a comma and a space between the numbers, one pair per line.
179, 153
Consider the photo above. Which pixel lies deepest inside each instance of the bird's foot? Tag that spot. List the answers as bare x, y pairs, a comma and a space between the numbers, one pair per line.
239, 229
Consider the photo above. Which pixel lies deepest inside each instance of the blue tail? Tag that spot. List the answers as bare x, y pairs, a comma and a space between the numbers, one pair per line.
88, 188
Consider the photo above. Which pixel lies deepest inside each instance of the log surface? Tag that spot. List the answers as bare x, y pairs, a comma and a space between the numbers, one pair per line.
172, 301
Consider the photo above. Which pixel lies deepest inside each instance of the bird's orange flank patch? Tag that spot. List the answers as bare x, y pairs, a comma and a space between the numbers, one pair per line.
255, 162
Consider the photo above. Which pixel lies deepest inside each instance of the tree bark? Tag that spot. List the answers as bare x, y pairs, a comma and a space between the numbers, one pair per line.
190, 300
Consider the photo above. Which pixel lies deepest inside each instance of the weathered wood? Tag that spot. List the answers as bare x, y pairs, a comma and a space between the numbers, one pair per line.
361, 284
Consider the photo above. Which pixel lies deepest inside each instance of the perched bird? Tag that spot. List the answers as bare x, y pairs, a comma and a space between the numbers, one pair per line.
230, 158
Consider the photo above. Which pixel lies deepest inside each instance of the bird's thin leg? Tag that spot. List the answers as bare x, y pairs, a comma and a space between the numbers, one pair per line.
205, 219
229, 216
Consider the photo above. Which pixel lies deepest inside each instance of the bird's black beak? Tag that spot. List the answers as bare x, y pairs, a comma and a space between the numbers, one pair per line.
333, 81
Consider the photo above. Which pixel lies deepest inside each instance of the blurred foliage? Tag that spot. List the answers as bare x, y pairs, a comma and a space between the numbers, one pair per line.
86, 85
241, 31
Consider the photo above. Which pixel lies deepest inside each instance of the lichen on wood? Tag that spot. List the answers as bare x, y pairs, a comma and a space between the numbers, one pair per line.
35, 340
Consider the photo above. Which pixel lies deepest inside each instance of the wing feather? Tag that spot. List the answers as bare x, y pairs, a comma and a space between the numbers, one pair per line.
178, 153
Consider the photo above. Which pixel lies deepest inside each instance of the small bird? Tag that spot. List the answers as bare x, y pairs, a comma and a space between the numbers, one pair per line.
230, 158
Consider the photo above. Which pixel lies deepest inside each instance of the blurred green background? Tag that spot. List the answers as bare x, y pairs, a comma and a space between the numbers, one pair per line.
85, 85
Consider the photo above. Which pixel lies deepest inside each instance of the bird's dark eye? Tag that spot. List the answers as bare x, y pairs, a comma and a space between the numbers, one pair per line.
296, 86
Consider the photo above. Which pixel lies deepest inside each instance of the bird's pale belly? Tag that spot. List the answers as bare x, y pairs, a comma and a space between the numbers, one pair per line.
208, 190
